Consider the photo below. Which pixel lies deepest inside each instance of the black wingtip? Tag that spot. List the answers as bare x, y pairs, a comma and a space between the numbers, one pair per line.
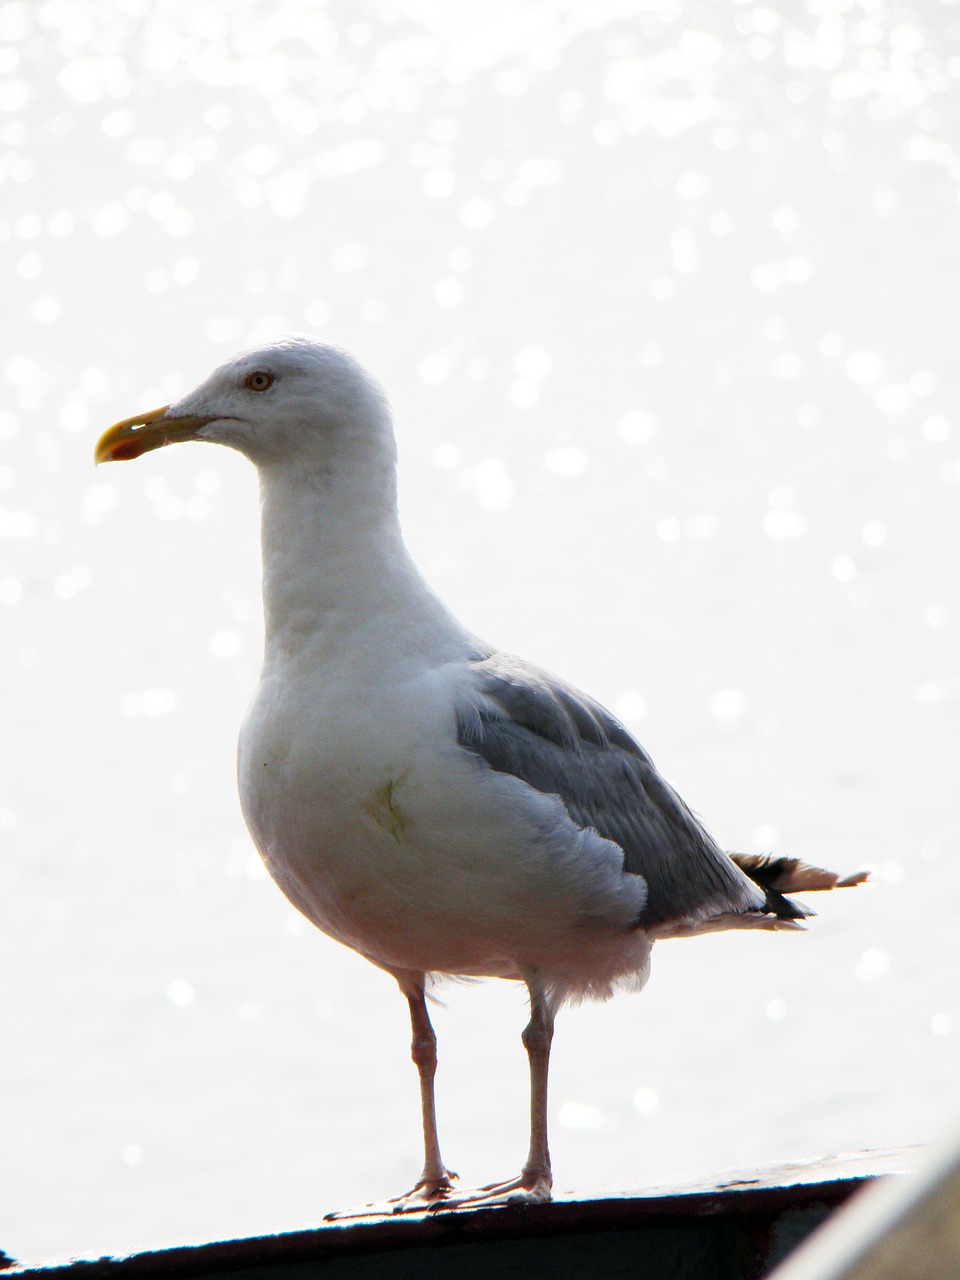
785, 908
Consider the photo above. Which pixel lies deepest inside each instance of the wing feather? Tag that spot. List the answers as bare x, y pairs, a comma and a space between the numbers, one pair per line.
560, 742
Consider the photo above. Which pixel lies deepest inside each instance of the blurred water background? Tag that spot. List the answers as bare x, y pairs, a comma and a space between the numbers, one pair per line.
664, 294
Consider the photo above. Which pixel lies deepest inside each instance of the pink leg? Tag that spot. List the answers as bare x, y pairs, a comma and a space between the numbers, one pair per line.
435, 1183
536, 1176
535, 1181
434, 1189
435, 1180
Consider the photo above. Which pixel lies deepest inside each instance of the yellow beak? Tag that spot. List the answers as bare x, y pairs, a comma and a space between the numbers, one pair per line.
145, 431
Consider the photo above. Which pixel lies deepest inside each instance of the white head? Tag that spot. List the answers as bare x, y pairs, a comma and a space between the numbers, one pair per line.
295, 402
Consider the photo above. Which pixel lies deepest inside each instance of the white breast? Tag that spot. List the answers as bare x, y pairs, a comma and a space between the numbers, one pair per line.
400, 844
376, 824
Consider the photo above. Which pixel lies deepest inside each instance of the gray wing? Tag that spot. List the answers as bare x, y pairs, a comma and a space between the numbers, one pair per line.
557, 740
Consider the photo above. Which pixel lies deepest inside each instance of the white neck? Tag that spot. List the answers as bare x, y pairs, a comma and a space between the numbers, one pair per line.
337, 576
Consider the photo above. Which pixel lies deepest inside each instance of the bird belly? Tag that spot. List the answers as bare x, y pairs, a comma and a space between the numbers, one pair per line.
393, 840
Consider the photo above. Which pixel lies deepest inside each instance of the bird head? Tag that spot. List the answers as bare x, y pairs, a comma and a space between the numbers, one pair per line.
291, 401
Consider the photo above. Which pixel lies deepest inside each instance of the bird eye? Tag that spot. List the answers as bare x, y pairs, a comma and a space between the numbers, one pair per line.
258, 381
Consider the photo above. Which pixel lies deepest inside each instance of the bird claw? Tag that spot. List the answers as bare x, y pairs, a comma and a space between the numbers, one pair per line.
523, 1190
428, 1194
438, 1195
526, 1189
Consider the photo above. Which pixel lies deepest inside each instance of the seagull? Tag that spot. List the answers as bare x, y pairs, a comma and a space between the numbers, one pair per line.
440, 806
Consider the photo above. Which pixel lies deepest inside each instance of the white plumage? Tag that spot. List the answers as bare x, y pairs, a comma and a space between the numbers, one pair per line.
432, 803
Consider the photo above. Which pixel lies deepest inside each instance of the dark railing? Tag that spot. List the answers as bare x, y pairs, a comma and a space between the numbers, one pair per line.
737, 1228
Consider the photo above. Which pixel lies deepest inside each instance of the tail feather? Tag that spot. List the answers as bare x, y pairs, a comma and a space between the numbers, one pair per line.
775, 877
791, 875
778, 876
